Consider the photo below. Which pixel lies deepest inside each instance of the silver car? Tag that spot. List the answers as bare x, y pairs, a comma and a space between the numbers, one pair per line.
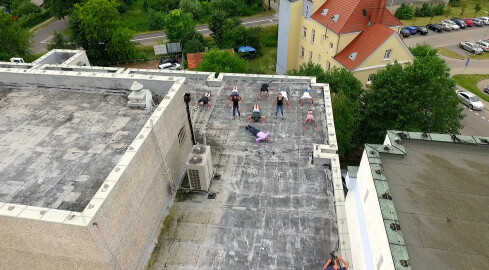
470, 100
471, 47
451, 23
484, 45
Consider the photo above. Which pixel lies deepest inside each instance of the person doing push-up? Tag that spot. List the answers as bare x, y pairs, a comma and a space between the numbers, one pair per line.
306, 96
256, 116
260, 136
205, 100
310, 119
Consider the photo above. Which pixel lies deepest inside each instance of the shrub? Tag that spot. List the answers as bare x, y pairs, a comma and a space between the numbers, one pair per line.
424, 11
222, 61
33, 19
192, 6
156, 20
439, 10
405, 12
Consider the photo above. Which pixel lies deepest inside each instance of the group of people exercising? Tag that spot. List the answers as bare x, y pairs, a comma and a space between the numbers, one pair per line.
282, 99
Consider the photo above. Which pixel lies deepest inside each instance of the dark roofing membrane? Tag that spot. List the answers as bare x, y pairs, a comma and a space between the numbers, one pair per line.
439, 189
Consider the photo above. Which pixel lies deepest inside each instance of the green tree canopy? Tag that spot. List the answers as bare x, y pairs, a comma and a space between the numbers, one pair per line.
423, 50
217, 22
23, 7
14, 40
60, 8
95, 26
60, 41
418, 97
179, 26
222, 61
193, 7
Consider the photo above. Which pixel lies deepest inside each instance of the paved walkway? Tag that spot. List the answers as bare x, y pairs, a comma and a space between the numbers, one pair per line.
482, 84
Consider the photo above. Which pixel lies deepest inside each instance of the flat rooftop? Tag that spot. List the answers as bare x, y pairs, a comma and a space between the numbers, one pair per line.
273, 209
441, 194
58, 146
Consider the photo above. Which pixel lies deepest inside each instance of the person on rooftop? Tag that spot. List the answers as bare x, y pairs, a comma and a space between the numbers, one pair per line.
264, 88
306, 96
285, 95
279, 102
260, 136
335, 264
256, 116
205, 100
236, 105
234, 92
310, 119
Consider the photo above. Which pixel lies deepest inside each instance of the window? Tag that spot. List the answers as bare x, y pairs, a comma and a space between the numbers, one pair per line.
328, 65
313, 36
387, 55
369, 80
310, 55
304, 32
181, 135
307, 11
302, 52
364, 12
319, 58
331, 45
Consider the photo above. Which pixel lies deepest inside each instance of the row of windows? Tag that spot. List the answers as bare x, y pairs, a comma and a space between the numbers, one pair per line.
303, 51
313, 36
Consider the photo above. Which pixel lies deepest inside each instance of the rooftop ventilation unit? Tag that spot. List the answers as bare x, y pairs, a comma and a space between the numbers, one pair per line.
139, 97
335, 18
199, 168
353, 56
324, 12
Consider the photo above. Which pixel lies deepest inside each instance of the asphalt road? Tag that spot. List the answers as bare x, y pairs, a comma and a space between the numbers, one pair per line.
476, 123
42, 37
155, 37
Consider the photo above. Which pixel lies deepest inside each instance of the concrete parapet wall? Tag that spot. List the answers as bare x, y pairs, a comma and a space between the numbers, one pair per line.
82, 69
174, 73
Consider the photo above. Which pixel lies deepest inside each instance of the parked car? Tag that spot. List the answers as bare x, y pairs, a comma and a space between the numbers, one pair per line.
169, 64
478, 22
459, 22
450, 23
468, 22
483, 44
485, 19
470, 100
405, 33
422, 30
436, 27
486, 89
471, 47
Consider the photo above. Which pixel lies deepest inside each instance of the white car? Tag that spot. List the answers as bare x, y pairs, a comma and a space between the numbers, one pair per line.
452, 24
447, 26
483, 44
471, 47
470, 100
485, 19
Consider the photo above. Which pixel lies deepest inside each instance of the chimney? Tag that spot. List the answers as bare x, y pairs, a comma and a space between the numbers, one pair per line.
378, 11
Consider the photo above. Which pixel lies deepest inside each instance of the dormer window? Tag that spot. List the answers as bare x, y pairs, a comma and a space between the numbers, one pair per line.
364, 12
353, 56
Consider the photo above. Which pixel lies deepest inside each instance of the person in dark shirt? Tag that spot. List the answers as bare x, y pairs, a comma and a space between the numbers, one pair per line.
205, 100
264, 88
256, 115
335, 264
236, 105
280, 105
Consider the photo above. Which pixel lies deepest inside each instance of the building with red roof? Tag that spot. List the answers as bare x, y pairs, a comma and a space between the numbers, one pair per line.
360, 35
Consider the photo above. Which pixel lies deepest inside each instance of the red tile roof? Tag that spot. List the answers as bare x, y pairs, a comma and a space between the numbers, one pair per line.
351, 15
364, 45
194, 59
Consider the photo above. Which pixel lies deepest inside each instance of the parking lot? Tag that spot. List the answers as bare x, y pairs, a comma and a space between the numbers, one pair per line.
449, 39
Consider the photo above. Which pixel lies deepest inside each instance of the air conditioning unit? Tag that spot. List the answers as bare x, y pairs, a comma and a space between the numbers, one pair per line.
199, 168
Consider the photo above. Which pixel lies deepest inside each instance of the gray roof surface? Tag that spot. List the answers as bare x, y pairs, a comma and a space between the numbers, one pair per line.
273, 209
58, 146
441, 195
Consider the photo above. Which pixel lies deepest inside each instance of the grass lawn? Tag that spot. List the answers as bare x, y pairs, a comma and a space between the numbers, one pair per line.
136, 18
266, 63
469, 12
469, 82
449, 53
483, 56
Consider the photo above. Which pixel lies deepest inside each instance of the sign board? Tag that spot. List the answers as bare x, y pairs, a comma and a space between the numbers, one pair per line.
175, 47
160, 49
468, 61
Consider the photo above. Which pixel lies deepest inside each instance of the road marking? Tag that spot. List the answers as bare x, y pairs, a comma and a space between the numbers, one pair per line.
164, 36
46, 40
483, 118
476, 113
271, 20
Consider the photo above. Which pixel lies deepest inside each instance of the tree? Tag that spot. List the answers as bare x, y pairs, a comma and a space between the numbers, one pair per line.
23, 7
346, 119
14, 40
161, 5
222, 61
179, 26
423, 50
196, 44
462, 11
60, 41
60, 8
193, 7
95, 26
156, 20
405, 12
477, 8
217, 22
418, 97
